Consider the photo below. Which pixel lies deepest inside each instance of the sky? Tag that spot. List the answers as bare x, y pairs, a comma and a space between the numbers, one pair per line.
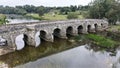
50, 3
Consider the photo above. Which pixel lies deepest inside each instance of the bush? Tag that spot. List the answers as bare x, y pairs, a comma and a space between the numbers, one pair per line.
2, 19
72, 16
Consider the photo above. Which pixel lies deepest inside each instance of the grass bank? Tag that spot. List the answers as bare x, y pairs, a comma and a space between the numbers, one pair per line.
102, 41
98, 40
34, 16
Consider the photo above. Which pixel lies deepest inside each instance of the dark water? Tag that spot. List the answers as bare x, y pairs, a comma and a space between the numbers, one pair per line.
65, 54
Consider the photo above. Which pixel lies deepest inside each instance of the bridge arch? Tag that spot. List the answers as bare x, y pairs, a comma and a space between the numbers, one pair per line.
80, 29
89, 28
69, 30
56, 33
20, 41
43, 35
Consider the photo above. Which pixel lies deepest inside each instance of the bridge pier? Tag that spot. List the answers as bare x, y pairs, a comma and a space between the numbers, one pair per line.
85, 29
10, 41
75, 31
49, 37
31, 35
31, 40
63, 34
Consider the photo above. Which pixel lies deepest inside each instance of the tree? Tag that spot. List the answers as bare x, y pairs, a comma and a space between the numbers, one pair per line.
64, 10
41, 10
109, 9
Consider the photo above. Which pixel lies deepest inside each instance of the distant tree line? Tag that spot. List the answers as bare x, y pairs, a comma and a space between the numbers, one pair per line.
22, 10
98, 9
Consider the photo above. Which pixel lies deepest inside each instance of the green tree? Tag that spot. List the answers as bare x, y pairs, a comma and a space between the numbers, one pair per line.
2, 19
109, 9
41, 10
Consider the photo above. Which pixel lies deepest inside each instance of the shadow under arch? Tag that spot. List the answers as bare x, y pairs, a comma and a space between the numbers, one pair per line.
80, 29
89, 28
42, 35
56, 33
21, 41
69, 31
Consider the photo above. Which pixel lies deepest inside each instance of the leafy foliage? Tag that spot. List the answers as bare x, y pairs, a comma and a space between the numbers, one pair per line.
2, 19
109, 9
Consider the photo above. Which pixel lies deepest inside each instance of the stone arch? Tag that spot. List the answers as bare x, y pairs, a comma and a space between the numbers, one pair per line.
43, 35
69, 30
89, 28
80, 29
96, 27
56, 32
20, 41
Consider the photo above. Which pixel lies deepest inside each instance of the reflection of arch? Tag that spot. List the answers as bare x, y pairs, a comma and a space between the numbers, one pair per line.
20, 41
42, 35
96, 27
80, 29
69, 30
88, 28
56, 32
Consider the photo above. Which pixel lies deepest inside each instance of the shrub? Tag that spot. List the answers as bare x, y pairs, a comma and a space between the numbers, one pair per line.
2, 19
72, 16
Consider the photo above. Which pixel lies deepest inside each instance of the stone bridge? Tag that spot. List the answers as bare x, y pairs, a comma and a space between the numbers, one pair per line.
48, 29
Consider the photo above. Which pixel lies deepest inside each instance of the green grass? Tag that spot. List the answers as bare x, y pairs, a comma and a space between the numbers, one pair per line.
34, 16
102, 41
49, 16
56, 17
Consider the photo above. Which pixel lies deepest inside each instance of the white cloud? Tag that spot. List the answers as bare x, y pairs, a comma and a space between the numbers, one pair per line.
44, 2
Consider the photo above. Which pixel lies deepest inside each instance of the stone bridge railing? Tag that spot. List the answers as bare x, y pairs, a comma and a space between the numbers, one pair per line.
49, 29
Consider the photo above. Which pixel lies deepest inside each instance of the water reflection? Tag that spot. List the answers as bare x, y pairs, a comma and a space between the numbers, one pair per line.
79, 57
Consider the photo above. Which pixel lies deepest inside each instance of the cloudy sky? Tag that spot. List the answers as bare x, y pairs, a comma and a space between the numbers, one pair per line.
44, 2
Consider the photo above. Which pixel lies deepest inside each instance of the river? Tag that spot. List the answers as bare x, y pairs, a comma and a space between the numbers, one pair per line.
79, 57
12, 18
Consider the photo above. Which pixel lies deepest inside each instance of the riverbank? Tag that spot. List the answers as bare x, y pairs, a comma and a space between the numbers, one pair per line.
102, 41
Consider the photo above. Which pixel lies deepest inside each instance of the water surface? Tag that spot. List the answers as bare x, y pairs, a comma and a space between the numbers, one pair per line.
79, 57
